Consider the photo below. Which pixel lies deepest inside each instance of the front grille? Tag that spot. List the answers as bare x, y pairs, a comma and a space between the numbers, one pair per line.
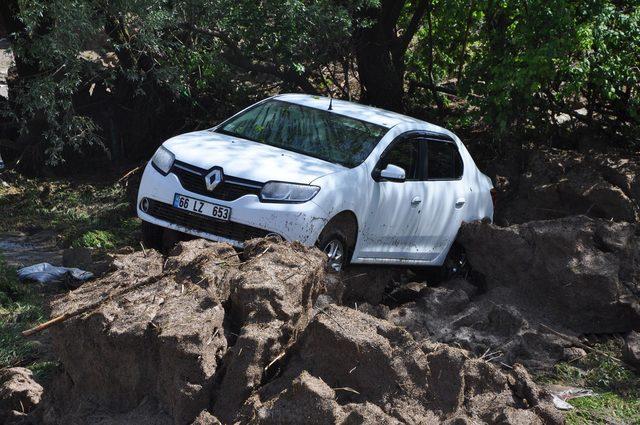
225, 229
231, 188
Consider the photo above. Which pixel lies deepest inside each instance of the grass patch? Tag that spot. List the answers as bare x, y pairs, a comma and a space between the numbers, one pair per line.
83, 214
21, 307
43, 370
606, 408
95, 215
617, 386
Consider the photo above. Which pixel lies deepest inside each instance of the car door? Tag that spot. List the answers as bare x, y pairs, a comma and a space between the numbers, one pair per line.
444, 199
393, 215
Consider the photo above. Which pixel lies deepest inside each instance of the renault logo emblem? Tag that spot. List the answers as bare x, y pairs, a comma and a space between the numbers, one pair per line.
213, 179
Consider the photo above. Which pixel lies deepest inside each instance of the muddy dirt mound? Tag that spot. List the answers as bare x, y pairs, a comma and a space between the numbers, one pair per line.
19, 394
207, 335
198, 329
486, 324
579, 272
537, 288
350, 367
158, 342
556, 183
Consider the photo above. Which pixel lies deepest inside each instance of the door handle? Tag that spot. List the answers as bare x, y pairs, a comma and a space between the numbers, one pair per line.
416, 200
460, 202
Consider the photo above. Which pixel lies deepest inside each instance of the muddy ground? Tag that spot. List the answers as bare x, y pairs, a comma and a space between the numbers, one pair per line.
257, 338
206, 334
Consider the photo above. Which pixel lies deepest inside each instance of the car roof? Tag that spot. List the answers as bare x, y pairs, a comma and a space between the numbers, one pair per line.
366, 113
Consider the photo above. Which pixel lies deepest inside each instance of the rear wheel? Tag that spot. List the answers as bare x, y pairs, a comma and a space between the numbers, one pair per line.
455, 264
337, 240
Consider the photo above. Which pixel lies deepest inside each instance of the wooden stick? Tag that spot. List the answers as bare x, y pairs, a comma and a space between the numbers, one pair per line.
90, 307
129, 173
577, 342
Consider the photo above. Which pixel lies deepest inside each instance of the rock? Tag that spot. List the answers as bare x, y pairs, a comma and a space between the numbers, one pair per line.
571, 354
205, 418
405, 293
19, 393
578, 272
348, 358
631, 351
94, 261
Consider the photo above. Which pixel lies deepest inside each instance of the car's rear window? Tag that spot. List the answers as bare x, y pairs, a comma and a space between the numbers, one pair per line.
314, 132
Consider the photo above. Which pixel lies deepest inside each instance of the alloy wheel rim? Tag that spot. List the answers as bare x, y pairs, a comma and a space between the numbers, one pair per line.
335, 253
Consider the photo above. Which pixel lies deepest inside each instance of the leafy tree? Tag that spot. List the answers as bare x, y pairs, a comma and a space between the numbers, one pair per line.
543, 62
116, 77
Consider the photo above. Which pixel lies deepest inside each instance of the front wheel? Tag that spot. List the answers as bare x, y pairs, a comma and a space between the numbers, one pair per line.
337, 241
336, 253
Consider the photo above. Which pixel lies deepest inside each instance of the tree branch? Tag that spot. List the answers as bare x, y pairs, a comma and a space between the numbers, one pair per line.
412, 28
236, 57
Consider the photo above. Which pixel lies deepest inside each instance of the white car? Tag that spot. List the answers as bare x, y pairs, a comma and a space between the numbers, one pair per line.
363, 184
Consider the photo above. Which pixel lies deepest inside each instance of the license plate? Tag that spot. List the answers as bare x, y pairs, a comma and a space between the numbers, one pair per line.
197, 206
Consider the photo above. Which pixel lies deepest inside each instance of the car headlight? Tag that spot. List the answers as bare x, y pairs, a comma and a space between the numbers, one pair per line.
163, 160
287, 192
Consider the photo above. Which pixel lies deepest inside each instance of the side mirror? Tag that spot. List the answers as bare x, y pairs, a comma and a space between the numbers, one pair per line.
393, 173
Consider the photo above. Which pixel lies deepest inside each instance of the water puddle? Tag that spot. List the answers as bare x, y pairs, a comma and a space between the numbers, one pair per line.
21, 249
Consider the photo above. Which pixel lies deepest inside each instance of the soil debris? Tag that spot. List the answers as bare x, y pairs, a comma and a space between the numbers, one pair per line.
19, 394
555, 183
221, 336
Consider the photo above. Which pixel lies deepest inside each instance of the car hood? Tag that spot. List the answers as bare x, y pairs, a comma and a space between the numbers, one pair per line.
246, 159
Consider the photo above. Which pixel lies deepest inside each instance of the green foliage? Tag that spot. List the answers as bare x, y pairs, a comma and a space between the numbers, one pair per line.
43, 369
606, 408
96, 239
114, 78
617, 386
83, 214
10, 288
194, 61
20, 308
541, 59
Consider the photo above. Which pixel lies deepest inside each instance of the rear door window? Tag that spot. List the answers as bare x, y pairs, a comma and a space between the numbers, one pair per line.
443, 161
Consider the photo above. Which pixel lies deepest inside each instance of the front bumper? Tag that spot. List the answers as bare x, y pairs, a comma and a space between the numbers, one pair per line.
249, 217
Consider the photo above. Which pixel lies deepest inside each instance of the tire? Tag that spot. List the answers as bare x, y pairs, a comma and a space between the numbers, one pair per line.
455, 265
337, 240
152, 236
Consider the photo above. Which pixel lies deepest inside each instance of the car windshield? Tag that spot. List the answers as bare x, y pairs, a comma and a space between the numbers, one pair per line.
314, 132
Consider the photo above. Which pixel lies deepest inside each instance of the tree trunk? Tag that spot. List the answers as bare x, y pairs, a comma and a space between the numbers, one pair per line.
380, 50
381, 76
465, 39
382, 82
9, 10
